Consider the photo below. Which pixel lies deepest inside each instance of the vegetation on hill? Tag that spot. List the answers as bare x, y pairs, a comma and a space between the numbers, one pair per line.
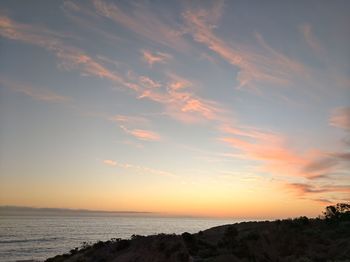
326, 238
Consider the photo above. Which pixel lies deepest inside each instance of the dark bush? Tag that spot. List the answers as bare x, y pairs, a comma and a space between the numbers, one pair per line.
122, 244
231, 232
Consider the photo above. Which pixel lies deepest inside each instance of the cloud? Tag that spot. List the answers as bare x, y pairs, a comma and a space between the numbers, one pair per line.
154, 58
138, 169
70, 57
275, 156
126, 122
179, 102
145, 23
266, 147
310, 39
110, 162
340, 118
148, 82
320, 165
269, 66
40, 94
130, 120
317, 192
141, 134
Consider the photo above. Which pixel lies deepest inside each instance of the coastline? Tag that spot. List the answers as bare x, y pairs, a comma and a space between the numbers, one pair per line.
299, 239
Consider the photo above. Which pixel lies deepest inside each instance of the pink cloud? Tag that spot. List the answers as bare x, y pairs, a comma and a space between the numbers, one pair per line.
340, 118
319, 193
270, 66
130, 120
70, 57
141, 134
154, 58
276, 157
145, 23
110, 162
178, 101
148, 82
310, 39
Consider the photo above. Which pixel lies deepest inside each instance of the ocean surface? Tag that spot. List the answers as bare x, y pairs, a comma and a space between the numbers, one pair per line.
40, 237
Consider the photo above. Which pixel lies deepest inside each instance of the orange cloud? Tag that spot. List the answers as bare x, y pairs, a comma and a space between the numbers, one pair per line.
340, 118
277, 157
145, 135
157, 57
110, 162
142, 134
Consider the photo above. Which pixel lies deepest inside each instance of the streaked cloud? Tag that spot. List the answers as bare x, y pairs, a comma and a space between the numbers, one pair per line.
41, 94
69, 56
110, 162
153, 58
138, 169
142, 134
340, 118
269, 66
144, 23
179, 102
130, 120
315, 192
310, 38
148, 82
277, 157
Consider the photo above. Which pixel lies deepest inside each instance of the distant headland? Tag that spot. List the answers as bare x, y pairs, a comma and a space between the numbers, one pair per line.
23, 210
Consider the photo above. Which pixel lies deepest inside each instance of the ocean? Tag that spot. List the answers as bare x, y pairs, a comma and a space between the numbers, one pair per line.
40, 237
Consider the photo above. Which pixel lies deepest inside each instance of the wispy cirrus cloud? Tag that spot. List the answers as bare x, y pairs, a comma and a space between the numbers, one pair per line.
138, 169
41, 94
275, 156
322, 193
148, 82
269, 149
130, 124
310, 38
144, 23
69, 56
340, 117
130, 120
142, 134
322, 175
153, 58
269, 66
179, 102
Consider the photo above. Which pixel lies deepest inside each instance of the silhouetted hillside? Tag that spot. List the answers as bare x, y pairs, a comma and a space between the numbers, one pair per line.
300, 239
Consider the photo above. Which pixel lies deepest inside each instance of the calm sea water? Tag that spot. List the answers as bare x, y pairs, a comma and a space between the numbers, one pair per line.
41, 237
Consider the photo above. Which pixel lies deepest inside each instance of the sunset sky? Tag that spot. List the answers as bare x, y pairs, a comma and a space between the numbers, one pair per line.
204, 108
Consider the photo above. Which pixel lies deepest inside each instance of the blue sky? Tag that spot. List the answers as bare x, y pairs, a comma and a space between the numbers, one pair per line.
182, 107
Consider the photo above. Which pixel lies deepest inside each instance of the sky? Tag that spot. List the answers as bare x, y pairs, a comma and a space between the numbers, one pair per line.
204, 108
